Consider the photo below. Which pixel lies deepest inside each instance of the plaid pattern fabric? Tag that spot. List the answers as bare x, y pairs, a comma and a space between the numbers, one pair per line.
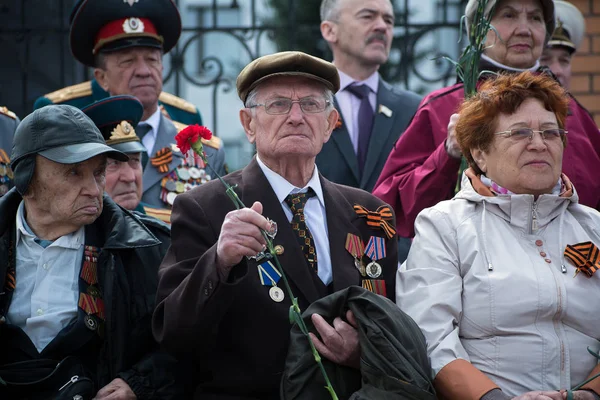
296, 202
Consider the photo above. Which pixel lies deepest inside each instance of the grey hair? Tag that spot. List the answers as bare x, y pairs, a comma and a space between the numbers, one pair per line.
330, 10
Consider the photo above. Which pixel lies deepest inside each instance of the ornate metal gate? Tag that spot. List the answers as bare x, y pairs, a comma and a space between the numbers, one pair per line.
219, 38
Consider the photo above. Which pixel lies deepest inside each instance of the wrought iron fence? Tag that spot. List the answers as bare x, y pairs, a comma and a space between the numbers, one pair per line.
219, 38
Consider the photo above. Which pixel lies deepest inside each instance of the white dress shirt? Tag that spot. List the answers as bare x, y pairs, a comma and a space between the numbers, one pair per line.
349, 103
150, 138
45, 298
314, 212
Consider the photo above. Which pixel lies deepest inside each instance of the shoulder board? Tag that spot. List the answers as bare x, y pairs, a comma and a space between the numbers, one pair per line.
213, 142
178, 102
158, 217
70, 92
7, 112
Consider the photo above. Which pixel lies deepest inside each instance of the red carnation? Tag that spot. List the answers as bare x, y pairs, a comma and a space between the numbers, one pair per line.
187, 137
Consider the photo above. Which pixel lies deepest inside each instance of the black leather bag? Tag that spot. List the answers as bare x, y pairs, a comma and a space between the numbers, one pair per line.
46, 380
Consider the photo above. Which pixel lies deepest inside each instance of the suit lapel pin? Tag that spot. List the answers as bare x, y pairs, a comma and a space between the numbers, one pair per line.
385, 110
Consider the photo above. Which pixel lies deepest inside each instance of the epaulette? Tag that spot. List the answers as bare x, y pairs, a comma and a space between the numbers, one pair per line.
177, 102
70, 92
213, 142
160, 214
7, 112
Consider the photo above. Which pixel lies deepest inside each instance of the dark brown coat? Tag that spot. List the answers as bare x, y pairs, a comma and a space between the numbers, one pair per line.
232, 331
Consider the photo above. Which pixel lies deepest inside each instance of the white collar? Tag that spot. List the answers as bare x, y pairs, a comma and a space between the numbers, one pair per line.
282, 187
372, 81
506, 67
73, 240
153, 121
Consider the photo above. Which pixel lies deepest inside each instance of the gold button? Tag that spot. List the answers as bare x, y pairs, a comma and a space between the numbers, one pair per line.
548, 260
279, 249
539, 243
542, 254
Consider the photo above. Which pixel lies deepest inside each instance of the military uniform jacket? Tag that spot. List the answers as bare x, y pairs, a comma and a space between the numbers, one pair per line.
237, 336
152, 177
127, 263
85, 93
338, 162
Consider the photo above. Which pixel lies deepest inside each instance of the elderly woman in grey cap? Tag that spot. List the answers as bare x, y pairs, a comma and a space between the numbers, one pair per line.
424, 165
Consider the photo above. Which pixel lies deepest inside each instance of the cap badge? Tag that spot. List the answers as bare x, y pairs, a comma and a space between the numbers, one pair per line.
122, 131
133, 25
130, 2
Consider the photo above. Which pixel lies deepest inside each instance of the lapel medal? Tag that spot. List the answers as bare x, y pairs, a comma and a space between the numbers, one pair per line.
269, 276
375, 251
356, 248
385, 110
272, 232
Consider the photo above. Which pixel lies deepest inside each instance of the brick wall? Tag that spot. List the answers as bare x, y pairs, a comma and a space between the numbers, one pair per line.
585, 80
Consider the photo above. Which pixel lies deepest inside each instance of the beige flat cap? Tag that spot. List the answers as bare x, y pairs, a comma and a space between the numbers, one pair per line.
287, 63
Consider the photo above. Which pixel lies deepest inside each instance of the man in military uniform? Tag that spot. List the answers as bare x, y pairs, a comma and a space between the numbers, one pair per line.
8, 125
116, 117
564, 42
124, 41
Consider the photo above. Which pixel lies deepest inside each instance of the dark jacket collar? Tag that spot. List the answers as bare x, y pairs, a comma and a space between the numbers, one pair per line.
115, 228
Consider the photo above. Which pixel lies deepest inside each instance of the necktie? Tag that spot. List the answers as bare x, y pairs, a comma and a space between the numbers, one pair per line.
365, 121
296, 202
141, 130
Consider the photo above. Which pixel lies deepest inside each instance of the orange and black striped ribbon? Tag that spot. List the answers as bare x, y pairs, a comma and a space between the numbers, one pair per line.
584, 256
162, 159
378, 219
376, 286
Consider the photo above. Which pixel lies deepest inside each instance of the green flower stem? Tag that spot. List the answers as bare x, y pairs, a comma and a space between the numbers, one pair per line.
295, 311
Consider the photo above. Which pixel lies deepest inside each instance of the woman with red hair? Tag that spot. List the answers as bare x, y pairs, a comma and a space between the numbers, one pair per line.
490, 275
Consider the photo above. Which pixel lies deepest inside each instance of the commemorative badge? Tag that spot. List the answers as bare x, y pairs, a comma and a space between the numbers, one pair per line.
356, 247
375, 250
270, 276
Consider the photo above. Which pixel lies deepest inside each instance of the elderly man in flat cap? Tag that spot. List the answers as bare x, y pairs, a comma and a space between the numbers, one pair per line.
219, 303
124, 41
79, 273
558, 54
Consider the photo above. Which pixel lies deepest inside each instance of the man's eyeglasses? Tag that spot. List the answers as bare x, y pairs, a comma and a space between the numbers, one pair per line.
527, 133
309, 105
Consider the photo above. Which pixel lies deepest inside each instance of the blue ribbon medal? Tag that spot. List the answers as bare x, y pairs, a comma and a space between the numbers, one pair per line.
269, 276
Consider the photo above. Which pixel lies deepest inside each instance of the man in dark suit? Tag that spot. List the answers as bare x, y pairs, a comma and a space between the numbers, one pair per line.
220, 304
124, 41
373, 113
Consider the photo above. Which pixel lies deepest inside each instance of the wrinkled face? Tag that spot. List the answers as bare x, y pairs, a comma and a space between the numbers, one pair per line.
70, 194
558, 59
521, 29
135, 71
124, 181
295, 134
523, 165
363, 31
